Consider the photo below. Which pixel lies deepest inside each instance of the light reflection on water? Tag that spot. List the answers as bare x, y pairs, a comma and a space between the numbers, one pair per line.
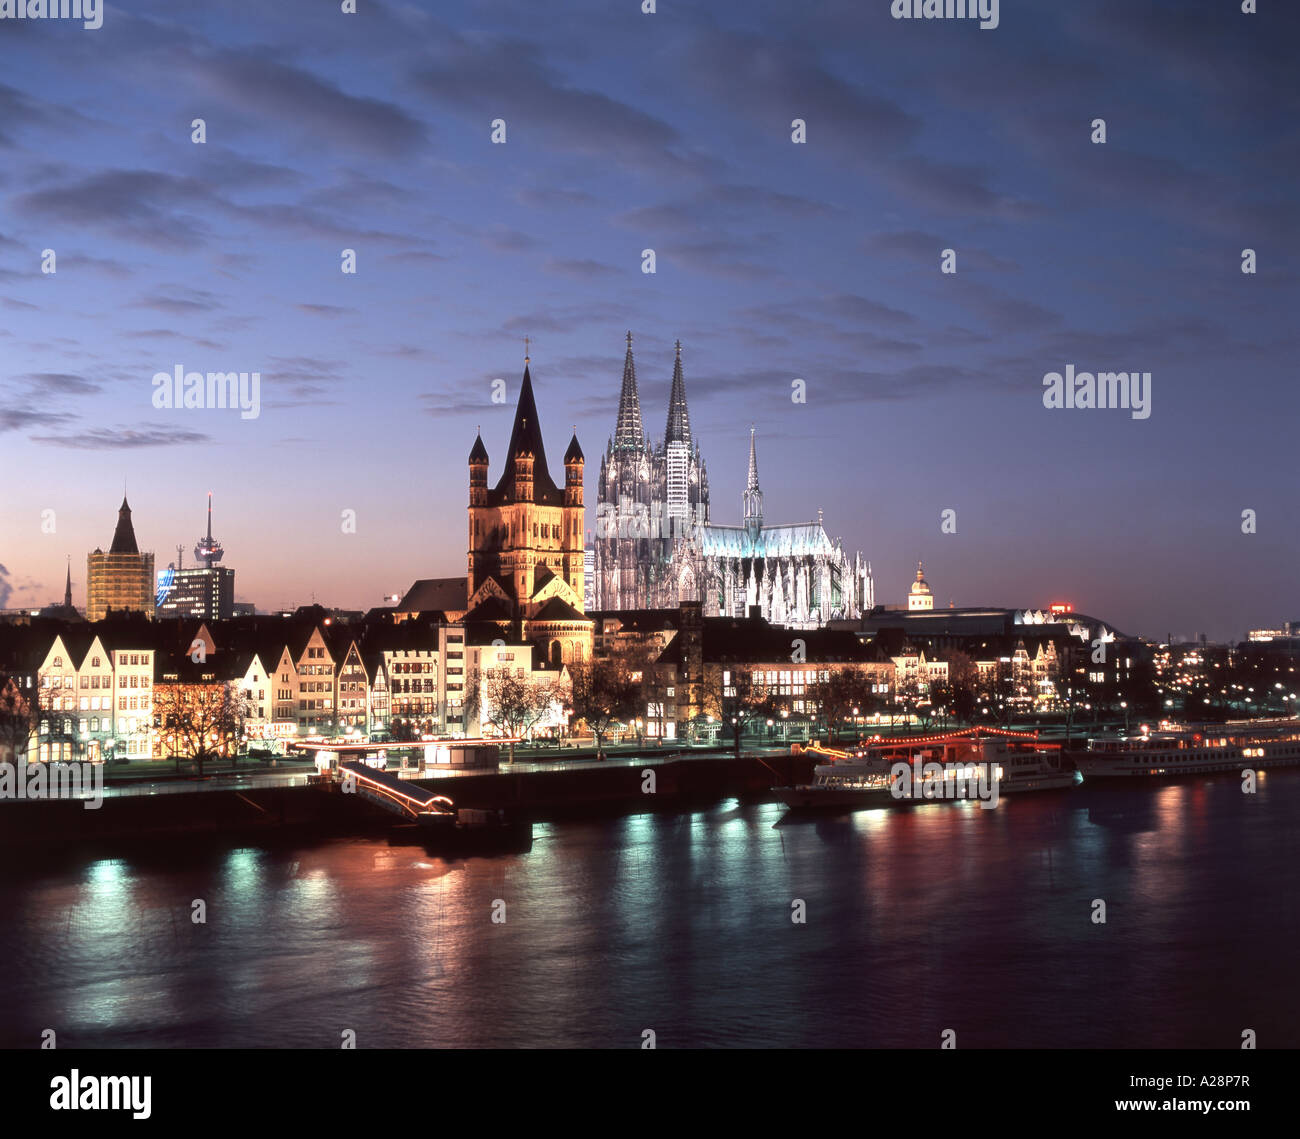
919, 919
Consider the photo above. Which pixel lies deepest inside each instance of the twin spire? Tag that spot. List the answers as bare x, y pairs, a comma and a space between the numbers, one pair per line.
629, 434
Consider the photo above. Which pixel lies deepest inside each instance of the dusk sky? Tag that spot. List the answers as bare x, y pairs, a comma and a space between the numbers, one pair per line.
776, 261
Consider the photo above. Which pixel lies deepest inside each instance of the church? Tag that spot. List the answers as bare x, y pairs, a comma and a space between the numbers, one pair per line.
656, 546
525, 573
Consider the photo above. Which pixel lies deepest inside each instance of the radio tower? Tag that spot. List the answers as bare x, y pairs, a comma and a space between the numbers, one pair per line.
209, 551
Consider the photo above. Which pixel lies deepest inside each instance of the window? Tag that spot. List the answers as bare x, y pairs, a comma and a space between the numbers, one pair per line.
85, 682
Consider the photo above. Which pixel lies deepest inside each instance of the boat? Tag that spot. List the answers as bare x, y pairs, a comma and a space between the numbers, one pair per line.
1195, 749
979, 763
465, 831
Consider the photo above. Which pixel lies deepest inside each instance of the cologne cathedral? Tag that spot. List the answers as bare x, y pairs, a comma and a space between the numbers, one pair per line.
656, 546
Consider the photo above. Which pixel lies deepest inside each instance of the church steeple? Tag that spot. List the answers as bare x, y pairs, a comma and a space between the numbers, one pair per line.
629, 435
67, 589
526, 477
753, 495
679, 419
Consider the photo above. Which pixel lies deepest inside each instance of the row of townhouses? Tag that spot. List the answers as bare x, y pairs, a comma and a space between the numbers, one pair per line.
97, 690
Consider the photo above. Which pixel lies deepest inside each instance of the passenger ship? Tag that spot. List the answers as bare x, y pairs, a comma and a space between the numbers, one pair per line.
973, 761
1193, 750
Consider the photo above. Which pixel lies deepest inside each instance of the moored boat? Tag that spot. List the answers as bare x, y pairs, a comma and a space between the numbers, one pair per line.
1195, 749
979, 763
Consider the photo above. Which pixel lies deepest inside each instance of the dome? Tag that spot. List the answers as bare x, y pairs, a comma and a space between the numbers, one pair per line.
920, 586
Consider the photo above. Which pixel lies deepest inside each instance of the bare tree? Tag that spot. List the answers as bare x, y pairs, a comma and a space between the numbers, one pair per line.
511, 703
754, 700
200, 721
605, 692
16, 720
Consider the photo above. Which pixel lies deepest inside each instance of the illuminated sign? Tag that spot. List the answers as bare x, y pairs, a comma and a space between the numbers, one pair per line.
165, 579
1062, 607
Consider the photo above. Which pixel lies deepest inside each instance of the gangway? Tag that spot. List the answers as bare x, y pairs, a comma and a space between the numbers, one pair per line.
396, 795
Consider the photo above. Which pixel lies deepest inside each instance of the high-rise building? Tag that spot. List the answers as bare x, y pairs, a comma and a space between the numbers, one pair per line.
121, 579
207, 591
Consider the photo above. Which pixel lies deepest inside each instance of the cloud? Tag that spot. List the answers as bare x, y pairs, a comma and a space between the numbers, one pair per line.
123, 438
549, 198
324, 310
582, 268
59, 383
307, 102
924, 249
772, 82
19, 419
142, 205
180, 300
509, 80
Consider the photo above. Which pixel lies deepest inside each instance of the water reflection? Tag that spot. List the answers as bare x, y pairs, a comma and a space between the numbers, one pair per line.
934, 916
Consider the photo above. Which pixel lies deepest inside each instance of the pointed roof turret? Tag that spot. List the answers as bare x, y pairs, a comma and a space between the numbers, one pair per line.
478, 453
679, 419
124, 535
629, 435
751, 483
526, 439
574, 453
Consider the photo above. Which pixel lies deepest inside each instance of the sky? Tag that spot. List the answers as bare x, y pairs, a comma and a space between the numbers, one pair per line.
776, 261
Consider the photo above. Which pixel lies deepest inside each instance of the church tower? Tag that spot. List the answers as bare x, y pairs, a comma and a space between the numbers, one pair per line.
652, 501
525, 564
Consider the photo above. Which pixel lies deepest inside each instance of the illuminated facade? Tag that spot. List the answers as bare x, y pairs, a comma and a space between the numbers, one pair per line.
920, 597
526, 561
121, 579
655, 545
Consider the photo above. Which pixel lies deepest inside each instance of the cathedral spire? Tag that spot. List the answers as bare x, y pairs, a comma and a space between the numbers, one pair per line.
629, 435
753, 495
679, 419
67, 589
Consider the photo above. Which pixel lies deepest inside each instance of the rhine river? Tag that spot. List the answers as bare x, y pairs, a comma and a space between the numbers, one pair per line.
918, 919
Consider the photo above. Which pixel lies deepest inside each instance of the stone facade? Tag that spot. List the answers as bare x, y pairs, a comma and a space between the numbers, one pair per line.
655, 545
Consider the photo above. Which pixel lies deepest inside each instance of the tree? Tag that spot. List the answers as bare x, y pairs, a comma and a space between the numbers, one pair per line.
200, 721
402, 731
963, 685
513, 704
605, 692
16, 720
753, 700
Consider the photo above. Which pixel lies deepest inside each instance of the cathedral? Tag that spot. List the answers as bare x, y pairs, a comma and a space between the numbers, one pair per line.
656, 546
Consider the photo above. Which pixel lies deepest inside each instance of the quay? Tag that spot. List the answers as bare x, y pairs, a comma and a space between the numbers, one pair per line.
259, 805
